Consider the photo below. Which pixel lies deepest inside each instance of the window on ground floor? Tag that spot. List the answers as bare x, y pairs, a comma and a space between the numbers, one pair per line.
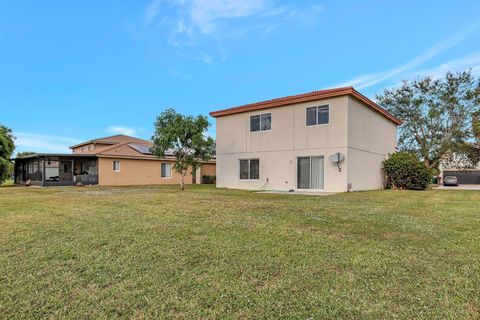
166, 170
310, 173
249, 169
116, 166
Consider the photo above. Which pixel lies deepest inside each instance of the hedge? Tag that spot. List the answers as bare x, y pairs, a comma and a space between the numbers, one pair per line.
403, 170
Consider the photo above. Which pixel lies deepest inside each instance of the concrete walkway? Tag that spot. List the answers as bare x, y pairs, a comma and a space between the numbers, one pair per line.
460, 187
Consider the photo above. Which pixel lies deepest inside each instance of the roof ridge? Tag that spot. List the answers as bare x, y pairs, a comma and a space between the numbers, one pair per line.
103, 140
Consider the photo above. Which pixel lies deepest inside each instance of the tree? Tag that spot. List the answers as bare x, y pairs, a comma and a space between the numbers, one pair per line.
10, 170
437, 115
476, 126
6, 150
186, 137
466, 155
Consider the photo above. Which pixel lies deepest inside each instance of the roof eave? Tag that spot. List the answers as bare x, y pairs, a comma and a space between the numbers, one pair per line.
279, 102
67, 155
305, 98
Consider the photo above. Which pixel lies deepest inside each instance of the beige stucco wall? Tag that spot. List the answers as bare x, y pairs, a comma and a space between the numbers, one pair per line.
135, 172
289, 131
208, 169
88, 148
280, 168
85, 148
363, 135
364, 170
370, 139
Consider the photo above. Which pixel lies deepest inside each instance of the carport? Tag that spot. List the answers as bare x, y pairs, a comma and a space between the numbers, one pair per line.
465, 177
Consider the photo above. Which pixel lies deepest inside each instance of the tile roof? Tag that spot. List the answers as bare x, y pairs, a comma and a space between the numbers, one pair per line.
116, 139
305, 97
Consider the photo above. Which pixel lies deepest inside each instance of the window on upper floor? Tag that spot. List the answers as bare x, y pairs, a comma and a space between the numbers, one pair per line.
318, 115
249, 169
261, 122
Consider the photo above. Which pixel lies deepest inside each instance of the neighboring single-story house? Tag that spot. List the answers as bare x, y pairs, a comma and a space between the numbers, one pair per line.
329, 140
115, 160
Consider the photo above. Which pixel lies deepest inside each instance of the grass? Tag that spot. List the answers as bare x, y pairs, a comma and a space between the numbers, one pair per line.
7, 183
155, 252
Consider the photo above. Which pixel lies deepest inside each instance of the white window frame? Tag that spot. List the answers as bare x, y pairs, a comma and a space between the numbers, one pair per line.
166, 163
240, 173
316, 115
260, 123
115, 168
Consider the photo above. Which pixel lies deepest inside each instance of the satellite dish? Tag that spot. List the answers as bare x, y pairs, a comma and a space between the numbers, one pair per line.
337, 158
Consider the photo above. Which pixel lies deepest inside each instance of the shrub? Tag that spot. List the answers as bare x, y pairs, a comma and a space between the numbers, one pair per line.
403, 170
206, 179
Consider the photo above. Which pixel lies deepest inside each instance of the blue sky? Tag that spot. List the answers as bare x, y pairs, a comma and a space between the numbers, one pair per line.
72, 71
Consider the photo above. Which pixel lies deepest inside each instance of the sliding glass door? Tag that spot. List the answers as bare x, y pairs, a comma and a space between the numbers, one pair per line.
310, 173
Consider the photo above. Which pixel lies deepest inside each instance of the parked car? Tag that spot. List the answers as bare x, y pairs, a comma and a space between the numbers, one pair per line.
450, 181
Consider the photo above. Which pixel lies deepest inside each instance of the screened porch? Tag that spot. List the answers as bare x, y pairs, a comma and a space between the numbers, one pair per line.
56, 170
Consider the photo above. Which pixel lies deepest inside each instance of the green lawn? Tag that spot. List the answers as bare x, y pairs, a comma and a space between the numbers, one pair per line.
7, 183
155, 252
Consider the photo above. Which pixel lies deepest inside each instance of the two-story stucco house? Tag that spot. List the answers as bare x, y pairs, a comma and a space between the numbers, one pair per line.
296, 142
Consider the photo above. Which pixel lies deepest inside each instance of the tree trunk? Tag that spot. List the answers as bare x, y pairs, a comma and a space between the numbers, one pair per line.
426, 162
182, 182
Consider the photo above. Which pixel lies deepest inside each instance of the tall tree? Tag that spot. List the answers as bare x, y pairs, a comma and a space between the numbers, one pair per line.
437, 115
186, 137
476, 126
6, 150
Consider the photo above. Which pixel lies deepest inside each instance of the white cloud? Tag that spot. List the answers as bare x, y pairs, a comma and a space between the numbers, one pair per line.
152, 10
275, 12
205, 14
43, 143
178, 74
368, 80
206, 58
183, 28
471, 61
191, 22
309, 16
121, 130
